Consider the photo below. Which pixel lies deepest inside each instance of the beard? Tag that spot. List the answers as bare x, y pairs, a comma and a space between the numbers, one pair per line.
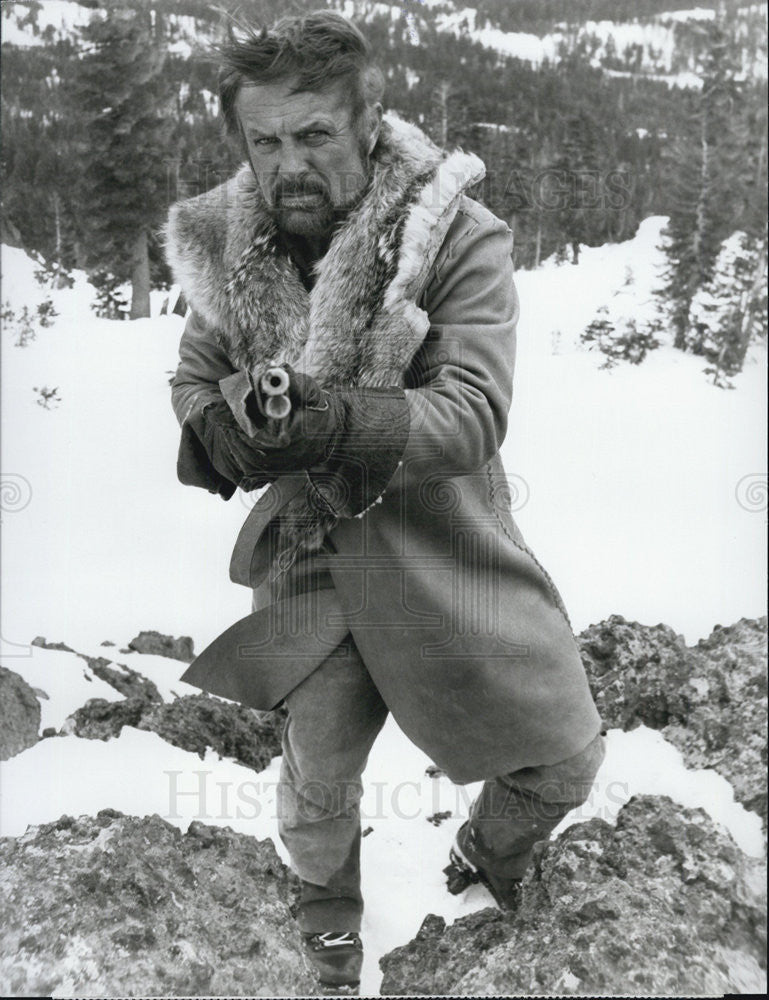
306, 220
304, 207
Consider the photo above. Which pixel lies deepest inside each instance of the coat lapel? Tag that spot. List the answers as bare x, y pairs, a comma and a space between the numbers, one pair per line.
360, 324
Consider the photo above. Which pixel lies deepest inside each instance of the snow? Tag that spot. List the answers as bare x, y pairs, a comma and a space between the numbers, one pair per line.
684, 79
402, 857
695, 14
412, 78
518, 44
633, 475
62, 681
139, 774
642, 762
656, 36
63, 16
631, 501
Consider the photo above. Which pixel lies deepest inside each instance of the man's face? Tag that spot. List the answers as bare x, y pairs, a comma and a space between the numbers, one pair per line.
309, 160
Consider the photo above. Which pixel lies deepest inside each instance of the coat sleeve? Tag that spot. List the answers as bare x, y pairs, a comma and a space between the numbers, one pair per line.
463, 373
201, 364
453, 417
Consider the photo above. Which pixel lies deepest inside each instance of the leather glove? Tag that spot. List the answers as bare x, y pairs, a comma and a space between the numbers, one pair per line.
308, 435
303, 439
228, 448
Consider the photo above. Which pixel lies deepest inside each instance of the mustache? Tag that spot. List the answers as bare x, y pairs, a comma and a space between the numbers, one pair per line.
308, 187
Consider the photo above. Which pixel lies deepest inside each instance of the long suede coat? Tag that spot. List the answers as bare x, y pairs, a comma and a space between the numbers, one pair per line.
461, 628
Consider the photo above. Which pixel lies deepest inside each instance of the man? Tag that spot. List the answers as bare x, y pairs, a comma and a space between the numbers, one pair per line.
387, 571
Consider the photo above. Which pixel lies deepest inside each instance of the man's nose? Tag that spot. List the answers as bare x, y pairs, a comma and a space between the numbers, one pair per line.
293, 160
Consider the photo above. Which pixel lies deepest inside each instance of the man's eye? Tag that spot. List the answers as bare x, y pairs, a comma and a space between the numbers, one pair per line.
267, 141
317, 135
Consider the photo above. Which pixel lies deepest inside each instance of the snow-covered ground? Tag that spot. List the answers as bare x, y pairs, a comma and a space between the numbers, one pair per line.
645, 495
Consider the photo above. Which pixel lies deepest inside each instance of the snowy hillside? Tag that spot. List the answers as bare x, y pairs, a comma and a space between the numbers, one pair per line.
634, 483
655, 39
641, 489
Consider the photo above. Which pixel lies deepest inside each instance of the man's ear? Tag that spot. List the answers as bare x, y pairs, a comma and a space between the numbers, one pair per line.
375, 122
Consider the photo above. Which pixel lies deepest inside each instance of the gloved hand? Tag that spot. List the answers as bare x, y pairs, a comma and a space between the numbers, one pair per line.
308, 435
303, 439
227, 446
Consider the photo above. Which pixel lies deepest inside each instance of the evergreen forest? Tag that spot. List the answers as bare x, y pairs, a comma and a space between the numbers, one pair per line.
112, 115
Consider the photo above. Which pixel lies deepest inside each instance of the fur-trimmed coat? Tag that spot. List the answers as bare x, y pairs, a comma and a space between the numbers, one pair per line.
461, 628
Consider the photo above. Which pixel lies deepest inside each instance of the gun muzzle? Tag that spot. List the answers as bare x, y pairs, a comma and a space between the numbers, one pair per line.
274, 386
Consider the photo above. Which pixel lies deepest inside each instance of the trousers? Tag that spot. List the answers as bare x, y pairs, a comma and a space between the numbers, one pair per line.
334, 716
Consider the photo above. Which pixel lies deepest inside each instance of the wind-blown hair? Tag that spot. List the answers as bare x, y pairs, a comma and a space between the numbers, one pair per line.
316, 49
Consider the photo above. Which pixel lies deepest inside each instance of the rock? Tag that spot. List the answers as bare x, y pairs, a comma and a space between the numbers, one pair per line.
122, 678
709, 700
427, 965
727, 724
662, 904
197, 722
99, 719
40, 640
19, 715
164, 645
194, 722
125, 680
638, 674
119, 905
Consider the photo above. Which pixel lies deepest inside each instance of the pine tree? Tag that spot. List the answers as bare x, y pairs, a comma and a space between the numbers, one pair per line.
578, 168
122, 103
707, 154
730, 310
38, 165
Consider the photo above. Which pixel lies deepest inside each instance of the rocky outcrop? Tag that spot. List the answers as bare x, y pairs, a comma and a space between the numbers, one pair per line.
709, 700
19, 715
637, 673
727, 725
194, 722
120, 905
663, 903
164, 645
128, 682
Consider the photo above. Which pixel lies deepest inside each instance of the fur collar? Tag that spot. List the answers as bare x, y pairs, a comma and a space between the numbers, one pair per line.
360, 324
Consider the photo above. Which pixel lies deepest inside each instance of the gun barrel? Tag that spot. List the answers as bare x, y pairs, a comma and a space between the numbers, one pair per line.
274, 385
277, 407
274, 382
